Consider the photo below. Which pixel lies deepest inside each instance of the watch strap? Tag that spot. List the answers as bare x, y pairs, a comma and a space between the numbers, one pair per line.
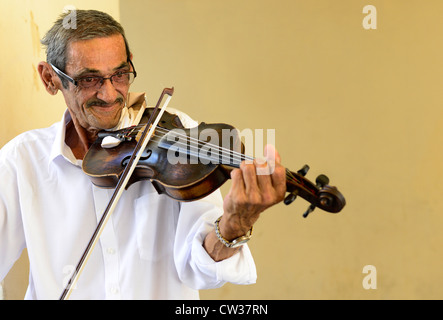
233, 243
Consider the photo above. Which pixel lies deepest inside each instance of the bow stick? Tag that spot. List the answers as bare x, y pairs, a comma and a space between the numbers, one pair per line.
121, 185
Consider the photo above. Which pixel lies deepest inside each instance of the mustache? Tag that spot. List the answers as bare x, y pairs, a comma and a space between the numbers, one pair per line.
99, 103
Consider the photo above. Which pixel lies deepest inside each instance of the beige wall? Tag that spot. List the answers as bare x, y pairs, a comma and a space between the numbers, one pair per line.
362, 106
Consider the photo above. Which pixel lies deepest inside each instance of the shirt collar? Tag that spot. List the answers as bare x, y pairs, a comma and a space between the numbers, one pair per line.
59, 147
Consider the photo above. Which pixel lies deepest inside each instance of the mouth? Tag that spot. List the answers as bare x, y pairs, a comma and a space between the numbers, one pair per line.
106, 107
102, 109
100, 104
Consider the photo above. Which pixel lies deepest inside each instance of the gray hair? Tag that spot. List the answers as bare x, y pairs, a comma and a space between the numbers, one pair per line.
89, 24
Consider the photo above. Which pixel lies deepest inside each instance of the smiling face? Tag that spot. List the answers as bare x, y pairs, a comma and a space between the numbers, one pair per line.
99, 107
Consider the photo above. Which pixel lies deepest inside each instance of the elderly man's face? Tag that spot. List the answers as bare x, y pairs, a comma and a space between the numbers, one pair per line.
99, 107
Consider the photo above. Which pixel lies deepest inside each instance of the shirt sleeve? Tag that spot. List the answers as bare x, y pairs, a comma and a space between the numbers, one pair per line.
196, 220
194, 265
12, 240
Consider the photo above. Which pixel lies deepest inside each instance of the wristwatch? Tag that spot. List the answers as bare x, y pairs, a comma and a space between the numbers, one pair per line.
234, 243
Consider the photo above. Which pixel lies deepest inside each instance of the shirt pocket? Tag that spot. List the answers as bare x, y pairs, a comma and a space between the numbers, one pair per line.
155, 226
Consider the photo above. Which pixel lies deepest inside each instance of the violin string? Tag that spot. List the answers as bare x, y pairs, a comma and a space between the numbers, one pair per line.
213, 146
195, 152
224, 152
289, 174
157, 138
240, 156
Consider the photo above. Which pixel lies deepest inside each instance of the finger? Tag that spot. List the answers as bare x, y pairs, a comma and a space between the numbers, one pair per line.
271, 153
272, 157
249, 177
278, 178
263, 178
238, 185
272, 186
277, 171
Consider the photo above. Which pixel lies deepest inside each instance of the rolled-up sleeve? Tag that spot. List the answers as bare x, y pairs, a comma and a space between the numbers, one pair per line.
194, 265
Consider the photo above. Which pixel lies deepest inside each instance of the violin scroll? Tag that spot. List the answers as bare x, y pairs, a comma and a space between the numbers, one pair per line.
320, 195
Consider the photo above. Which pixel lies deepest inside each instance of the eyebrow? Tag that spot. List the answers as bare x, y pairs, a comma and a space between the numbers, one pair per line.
95, 71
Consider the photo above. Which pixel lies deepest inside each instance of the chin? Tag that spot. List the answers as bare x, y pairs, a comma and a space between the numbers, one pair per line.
105, 123
108, 126
98, 125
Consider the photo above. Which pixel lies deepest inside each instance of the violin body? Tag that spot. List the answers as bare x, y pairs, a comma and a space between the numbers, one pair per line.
186, 180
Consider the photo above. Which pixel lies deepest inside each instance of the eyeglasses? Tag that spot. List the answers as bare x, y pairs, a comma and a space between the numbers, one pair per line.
117, 79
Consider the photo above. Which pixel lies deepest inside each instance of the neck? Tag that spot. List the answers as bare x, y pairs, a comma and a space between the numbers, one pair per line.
79, 139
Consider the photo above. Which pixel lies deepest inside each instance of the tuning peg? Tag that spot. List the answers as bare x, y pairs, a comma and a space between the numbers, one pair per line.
290, 197
303, 171
310, 209
322, 180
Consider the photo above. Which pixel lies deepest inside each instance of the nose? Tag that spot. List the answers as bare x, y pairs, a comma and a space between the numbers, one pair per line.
107, 91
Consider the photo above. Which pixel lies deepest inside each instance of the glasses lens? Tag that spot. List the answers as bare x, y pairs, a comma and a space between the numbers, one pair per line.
89, 82
120, 79
123, 78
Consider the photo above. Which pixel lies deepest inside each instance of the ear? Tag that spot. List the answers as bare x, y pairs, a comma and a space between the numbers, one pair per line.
49, 78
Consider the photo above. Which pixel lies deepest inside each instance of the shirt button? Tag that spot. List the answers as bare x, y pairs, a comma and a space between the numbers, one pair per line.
110, 250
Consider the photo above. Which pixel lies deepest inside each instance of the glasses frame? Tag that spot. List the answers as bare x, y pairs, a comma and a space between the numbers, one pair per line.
75, 82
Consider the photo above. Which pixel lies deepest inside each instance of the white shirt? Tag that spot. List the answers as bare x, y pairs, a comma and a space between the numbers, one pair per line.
151, 248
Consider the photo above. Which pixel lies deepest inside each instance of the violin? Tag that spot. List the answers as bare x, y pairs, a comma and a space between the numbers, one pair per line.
198, 166
203, 167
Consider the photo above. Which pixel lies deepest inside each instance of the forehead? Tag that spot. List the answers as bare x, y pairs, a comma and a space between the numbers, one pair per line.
101, 54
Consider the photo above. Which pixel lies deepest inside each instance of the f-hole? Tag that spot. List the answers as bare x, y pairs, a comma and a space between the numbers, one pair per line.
145, 156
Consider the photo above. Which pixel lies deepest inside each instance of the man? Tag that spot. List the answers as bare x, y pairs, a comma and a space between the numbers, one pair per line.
153, 247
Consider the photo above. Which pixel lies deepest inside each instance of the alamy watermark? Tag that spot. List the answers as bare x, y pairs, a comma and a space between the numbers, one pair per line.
370, 20
370, 280
70, 20
208, 146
